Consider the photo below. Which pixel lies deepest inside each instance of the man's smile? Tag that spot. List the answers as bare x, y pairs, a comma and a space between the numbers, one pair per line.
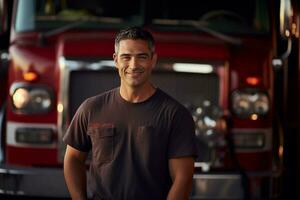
134, 73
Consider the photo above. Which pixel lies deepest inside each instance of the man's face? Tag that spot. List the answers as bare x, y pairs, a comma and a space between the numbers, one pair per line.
135, 62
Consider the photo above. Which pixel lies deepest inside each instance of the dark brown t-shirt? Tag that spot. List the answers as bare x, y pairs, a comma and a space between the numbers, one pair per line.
131, 143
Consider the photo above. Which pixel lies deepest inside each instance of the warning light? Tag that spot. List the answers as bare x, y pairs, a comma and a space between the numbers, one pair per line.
30, 76
253, 80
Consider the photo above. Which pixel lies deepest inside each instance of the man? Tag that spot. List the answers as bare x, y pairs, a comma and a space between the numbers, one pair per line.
142, 140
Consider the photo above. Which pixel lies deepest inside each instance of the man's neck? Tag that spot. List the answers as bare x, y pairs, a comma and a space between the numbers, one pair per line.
138, 94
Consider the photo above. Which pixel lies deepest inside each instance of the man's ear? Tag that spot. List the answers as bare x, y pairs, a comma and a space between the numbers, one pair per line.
154, 60
115, 57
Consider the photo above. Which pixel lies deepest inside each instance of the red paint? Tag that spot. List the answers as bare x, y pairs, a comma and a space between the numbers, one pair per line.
31, 156
261, 161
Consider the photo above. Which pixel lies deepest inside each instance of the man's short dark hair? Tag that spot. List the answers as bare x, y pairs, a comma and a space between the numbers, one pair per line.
134, 33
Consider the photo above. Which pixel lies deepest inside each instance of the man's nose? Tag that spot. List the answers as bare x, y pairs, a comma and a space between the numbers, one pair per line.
133, 63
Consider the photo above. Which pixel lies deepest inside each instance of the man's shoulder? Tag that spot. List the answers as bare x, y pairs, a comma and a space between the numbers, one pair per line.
171, 102
101, 98
166, 96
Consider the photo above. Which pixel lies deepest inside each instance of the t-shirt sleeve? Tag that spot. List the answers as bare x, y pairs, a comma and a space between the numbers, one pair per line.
182, 140
76, 135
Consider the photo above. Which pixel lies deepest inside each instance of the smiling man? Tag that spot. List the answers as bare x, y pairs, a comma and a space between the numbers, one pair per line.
135, 59
142, 140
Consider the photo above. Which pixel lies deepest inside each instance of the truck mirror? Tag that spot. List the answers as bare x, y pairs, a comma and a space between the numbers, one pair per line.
286, 18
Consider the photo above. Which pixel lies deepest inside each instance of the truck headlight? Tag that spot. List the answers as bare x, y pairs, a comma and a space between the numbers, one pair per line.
20, 98
261, 105
246, 103
31, 99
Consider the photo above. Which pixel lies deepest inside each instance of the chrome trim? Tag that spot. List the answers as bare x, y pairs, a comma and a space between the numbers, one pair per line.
217, 186
268, 139
11, 134
230, 186
62, 105
217, 176
205, 166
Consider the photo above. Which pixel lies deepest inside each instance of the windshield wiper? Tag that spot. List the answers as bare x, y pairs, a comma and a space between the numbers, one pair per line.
44, 35
200, 26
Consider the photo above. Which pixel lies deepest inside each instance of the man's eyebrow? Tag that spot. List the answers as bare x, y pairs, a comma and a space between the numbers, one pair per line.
138, 54
142, 54
125, 54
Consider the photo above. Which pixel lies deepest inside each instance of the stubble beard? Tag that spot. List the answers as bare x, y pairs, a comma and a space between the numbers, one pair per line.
137, 82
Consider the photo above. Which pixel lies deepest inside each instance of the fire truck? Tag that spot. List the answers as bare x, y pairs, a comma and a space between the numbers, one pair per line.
215, 57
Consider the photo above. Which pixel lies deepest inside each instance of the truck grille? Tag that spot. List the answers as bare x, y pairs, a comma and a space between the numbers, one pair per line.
187, 88
84, 84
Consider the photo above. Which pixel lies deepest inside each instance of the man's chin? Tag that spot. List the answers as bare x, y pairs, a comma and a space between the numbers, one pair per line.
135, 84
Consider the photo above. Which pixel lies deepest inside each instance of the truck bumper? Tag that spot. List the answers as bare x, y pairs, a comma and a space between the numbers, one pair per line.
49, 182
251, 185
217, 186
42, 182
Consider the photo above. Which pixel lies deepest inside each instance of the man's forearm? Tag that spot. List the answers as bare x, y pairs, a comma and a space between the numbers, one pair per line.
180, 190
75, 176
181, 172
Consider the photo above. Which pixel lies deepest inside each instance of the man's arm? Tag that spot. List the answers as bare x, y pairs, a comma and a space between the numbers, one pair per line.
181, 171
75, 173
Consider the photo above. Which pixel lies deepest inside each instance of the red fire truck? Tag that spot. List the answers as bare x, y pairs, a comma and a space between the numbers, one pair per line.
215, 57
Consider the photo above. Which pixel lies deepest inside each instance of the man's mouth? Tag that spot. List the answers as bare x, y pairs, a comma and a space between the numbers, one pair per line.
135, 73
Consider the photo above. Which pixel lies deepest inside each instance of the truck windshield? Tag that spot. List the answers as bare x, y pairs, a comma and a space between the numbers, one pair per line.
230, 16
41, 15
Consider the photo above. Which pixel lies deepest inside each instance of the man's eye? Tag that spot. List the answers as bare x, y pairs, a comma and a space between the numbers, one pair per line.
143, 57
125, 58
